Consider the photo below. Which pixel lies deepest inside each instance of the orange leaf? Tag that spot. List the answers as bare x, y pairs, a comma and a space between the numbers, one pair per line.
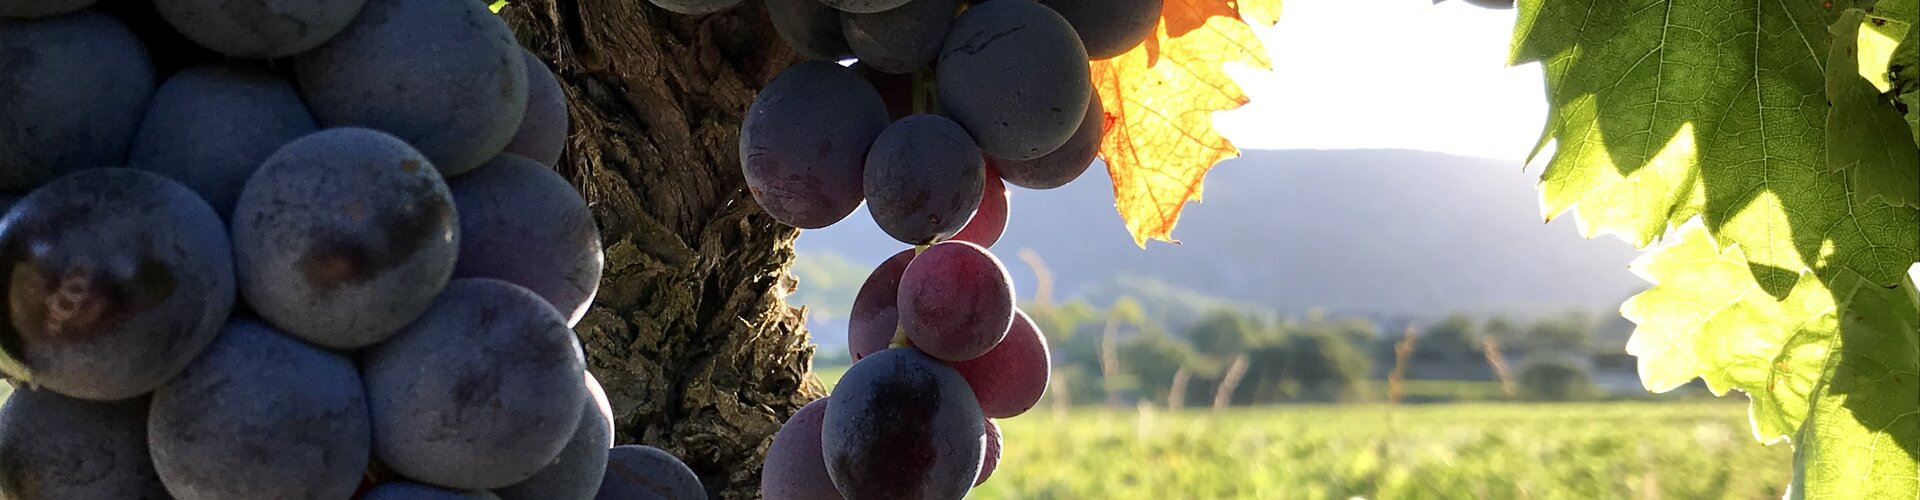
1160, 99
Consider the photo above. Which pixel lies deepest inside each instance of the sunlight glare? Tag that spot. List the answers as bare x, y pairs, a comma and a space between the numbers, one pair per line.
1390, 74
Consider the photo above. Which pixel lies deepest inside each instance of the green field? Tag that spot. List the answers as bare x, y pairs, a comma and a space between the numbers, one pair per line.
1522, 451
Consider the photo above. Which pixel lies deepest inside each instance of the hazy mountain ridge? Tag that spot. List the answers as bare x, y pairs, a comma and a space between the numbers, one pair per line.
1370, 232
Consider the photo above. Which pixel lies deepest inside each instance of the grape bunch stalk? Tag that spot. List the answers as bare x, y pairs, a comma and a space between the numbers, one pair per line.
258, 249
924, 110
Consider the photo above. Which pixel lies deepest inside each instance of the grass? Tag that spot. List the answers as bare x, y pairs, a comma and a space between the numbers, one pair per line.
1627, 450
1522, 451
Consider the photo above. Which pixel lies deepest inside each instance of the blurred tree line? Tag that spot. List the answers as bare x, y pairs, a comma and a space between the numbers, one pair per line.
1120, 354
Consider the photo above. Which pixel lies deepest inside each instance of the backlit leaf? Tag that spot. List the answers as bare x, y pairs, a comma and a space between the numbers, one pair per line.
1160, 99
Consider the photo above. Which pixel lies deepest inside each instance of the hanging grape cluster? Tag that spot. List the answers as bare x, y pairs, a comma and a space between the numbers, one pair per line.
924, 110
295, 250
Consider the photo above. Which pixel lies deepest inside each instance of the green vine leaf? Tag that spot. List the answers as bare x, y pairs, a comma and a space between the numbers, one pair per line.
1777, 126
1707, 318
1862, 432
1865, 135
1662, 111
1903, 72
1885, 24
1835, 365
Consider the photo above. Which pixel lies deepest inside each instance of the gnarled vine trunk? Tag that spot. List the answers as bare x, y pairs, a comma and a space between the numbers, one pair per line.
690, 334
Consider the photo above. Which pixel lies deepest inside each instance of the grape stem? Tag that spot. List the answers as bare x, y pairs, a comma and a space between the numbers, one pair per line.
923, 97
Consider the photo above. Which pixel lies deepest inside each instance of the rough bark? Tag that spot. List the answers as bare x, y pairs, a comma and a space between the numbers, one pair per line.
689, 334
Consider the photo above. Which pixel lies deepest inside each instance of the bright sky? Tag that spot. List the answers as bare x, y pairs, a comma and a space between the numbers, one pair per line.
1390, 74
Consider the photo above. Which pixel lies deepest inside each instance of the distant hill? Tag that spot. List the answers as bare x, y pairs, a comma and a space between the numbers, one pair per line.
1383, 233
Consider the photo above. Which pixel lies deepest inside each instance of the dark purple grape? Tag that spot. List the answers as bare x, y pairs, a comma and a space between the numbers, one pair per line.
900, 40
117, 279
72, 91
483, 391
542, 135
211, 126
876, 316
810, 27
923, 179
55, 447
805, 142
261, 415
522, 223
1014, 74
795, 468
259, 28
1062, 165
636, 472
1012, 377
990, 220
447, 76
344, 236
956, 301
577, 472
903, 425
1109, 28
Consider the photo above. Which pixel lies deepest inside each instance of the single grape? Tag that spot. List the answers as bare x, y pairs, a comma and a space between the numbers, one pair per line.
1012, 377
694, 7
923, 179
576, 473
1063, 165
211, 126
522, 223
876, 315
417, 491
902, 39
805, 141
795, 468
344, 236
259, 28
956, 301
990, 220
55, 447
636, 472
992, 459
542, 135
481, 392
28, 9
810, 27
1109, 28
1014, 74
117, 278
261, 415
447, 76
73, 89
865, 6
903, 425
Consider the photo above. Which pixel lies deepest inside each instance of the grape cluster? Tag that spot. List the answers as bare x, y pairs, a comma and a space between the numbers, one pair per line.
258, 249
924, 110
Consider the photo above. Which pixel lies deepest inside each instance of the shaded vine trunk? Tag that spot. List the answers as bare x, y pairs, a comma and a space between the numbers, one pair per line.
690, 333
